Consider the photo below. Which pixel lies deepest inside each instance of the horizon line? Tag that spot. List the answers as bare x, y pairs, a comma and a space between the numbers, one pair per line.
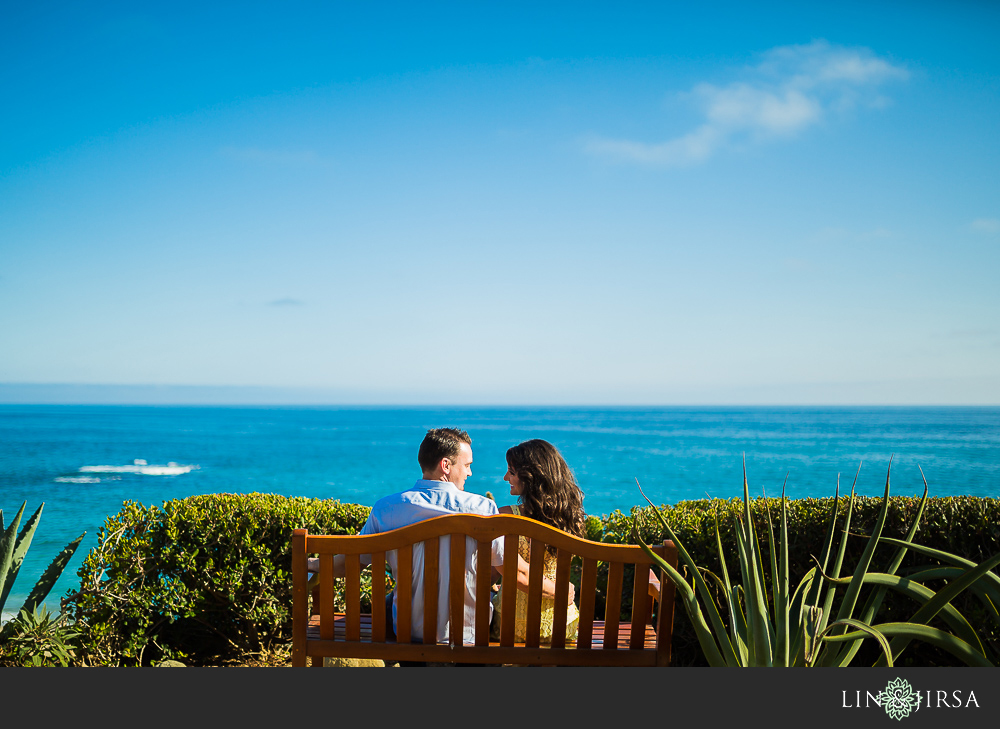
151, 395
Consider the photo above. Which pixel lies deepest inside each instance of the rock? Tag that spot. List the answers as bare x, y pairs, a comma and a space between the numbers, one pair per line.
169, 664
353, 663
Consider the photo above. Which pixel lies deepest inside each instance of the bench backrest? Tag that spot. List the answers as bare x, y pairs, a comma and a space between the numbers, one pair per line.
359, 550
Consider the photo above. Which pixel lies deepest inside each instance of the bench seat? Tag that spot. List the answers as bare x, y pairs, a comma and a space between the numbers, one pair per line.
339, 647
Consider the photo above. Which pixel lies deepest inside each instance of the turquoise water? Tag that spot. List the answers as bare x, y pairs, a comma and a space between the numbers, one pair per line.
359, 454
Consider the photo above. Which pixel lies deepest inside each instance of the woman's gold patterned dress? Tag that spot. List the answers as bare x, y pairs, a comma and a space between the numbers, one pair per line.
548, 605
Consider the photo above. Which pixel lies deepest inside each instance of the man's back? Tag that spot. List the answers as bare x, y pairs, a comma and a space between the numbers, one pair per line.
426, 500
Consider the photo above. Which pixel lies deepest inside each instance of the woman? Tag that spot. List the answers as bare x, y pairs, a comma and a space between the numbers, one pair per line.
547, 492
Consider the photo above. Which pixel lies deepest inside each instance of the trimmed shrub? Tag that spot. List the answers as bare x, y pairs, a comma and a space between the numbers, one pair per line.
198, 578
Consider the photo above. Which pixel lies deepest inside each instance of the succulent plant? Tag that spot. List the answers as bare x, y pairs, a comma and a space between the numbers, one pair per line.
798, 630
13, 548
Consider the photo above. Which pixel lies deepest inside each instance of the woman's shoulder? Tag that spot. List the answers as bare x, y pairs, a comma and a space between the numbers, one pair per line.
513, 509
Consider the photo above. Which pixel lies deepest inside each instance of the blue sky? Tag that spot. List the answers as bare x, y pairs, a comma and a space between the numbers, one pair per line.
534, 203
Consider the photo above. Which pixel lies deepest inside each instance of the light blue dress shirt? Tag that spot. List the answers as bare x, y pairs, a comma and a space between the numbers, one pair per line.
426, 500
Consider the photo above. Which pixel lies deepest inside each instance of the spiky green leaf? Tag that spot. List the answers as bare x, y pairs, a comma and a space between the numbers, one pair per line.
987, 594
940, 638
20, 550
923, 594
945, 596
874, 601
850, 599
809, 627
865, 629
51, 575
8, 542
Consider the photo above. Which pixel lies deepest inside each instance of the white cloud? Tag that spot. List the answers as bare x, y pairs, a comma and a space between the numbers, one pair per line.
819, 63
743, 106
985, 225
793, 88
692, 147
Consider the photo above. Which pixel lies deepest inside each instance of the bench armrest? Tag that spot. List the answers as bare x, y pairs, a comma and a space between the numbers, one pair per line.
654, 586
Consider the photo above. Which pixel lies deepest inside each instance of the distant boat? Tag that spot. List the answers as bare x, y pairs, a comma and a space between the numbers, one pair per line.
140, 466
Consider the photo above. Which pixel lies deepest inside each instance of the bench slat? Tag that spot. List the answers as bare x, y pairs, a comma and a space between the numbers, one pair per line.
640, 598
326, 586
665, 611
508, 601
536, 570
431, 557
612, 611
647, 635
521, 652
352, 595
479, 527
491, 654
456, 589
378, 597
588, 595
561, 605
404, 593
300, 597
483, 574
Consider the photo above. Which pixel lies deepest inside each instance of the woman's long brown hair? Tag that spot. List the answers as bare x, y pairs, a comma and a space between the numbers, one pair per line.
549, 492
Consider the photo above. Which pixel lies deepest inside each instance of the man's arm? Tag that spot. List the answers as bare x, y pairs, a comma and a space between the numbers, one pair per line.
312, 565
339, 561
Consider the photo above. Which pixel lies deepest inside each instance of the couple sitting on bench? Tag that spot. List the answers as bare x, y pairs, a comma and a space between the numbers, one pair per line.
547, 492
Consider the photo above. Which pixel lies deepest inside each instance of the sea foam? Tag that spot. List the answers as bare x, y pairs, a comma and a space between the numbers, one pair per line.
140, 466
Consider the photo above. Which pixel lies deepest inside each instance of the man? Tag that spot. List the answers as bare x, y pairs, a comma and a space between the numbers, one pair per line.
445, 458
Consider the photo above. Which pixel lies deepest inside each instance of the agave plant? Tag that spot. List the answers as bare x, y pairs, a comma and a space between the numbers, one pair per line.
798, 630
13, 548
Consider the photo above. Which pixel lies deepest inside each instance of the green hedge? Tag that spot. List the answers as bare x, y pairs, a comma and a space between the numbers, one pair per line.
208, 576
198, 579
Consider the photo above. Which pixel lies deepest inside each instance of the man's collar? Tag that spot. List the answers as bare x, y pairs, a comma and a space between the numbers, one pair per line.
425, 483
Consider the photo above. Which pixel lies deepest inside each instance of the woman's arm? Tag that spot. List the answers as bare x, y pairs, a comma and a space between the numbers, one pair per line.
548, 586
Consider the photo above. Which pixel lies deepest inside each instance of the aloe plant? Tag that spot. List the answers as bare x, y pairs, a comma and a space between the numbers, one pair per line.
798, 630
13, 548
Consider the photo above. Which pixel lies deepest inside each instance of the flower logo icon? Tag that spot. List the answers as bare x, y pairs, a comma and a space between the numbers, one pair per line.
899, 699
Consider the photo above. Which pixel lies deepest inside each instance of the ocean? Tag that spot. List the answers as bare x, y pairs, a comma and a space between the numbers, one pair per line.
83, 461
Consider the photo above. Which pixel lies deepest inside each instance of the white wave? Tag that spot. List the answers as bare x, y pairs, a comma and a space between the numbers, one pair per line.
140, 466
78, 479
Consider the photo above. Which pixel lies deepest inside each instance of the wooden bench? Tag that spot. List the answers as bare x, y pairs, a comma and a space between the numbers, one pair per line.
321, 632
